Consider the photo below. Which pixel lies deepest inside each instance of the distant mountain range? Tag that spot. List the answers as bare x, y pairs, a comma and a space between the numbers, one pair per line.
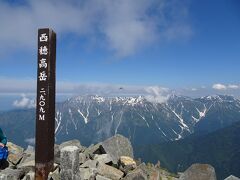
94, 118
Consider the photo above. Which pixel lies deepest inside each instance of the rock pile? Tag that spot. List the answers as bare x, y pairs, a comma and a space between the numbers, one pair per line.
109, 160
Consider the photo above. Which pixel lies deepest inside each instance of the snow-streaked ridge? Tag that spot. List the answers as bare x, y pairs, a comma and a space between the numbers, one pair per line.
85, 118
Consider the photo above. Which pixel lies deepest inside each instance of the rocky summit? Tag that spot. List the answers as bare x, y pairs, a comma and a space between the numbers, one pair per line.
111, 159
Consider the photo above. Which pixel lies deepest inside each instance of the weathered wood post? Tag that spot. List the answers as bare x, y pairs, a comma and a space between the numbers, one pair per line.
45, 110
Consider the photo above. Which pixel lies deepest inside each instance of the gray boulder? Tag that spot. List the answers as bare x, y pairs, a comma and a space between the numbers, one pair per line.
57, 153
199, 172
11, 174
82, 158
137, 174
109, 172
89, 164
152, 172
116, 147
93, 149
28, 156
87, 173
29, 176
27, 166
103, 158
68, 175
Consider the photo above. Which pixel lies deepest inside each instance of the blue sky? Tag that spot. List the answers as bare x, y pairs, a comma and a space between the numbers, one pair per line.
145, 46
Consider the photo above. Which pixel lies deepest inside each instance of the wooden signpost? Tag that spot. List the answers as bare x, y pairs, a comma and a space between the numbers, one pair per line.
45, 110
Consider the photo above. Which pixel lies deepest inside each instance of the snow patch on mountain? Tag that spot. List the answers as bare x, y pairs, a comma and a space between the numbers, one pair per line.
178, 135
183, 125
85, 118
58, 120
144, 119
119, 122
202, 114
71, 117
160, 129
98, 99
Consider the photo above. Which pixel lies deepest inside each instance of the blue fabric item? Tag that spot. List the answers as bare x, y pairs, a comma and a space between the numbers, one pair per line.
3, 153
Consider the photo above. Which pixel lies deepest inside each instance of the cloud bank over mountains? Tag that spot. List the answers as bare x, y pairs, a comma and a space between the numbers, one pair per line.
25, 90
155, 94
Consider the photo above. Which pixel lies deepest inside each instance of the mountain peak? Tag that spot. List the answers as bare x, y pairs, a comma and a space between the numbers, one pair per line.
219, 98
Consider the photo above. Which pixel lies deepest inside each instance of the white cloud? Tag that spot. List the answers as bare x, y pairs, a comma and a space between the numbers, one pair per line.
233, 86
157, 94
225, 87
24, 102
219, 86
123, 26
